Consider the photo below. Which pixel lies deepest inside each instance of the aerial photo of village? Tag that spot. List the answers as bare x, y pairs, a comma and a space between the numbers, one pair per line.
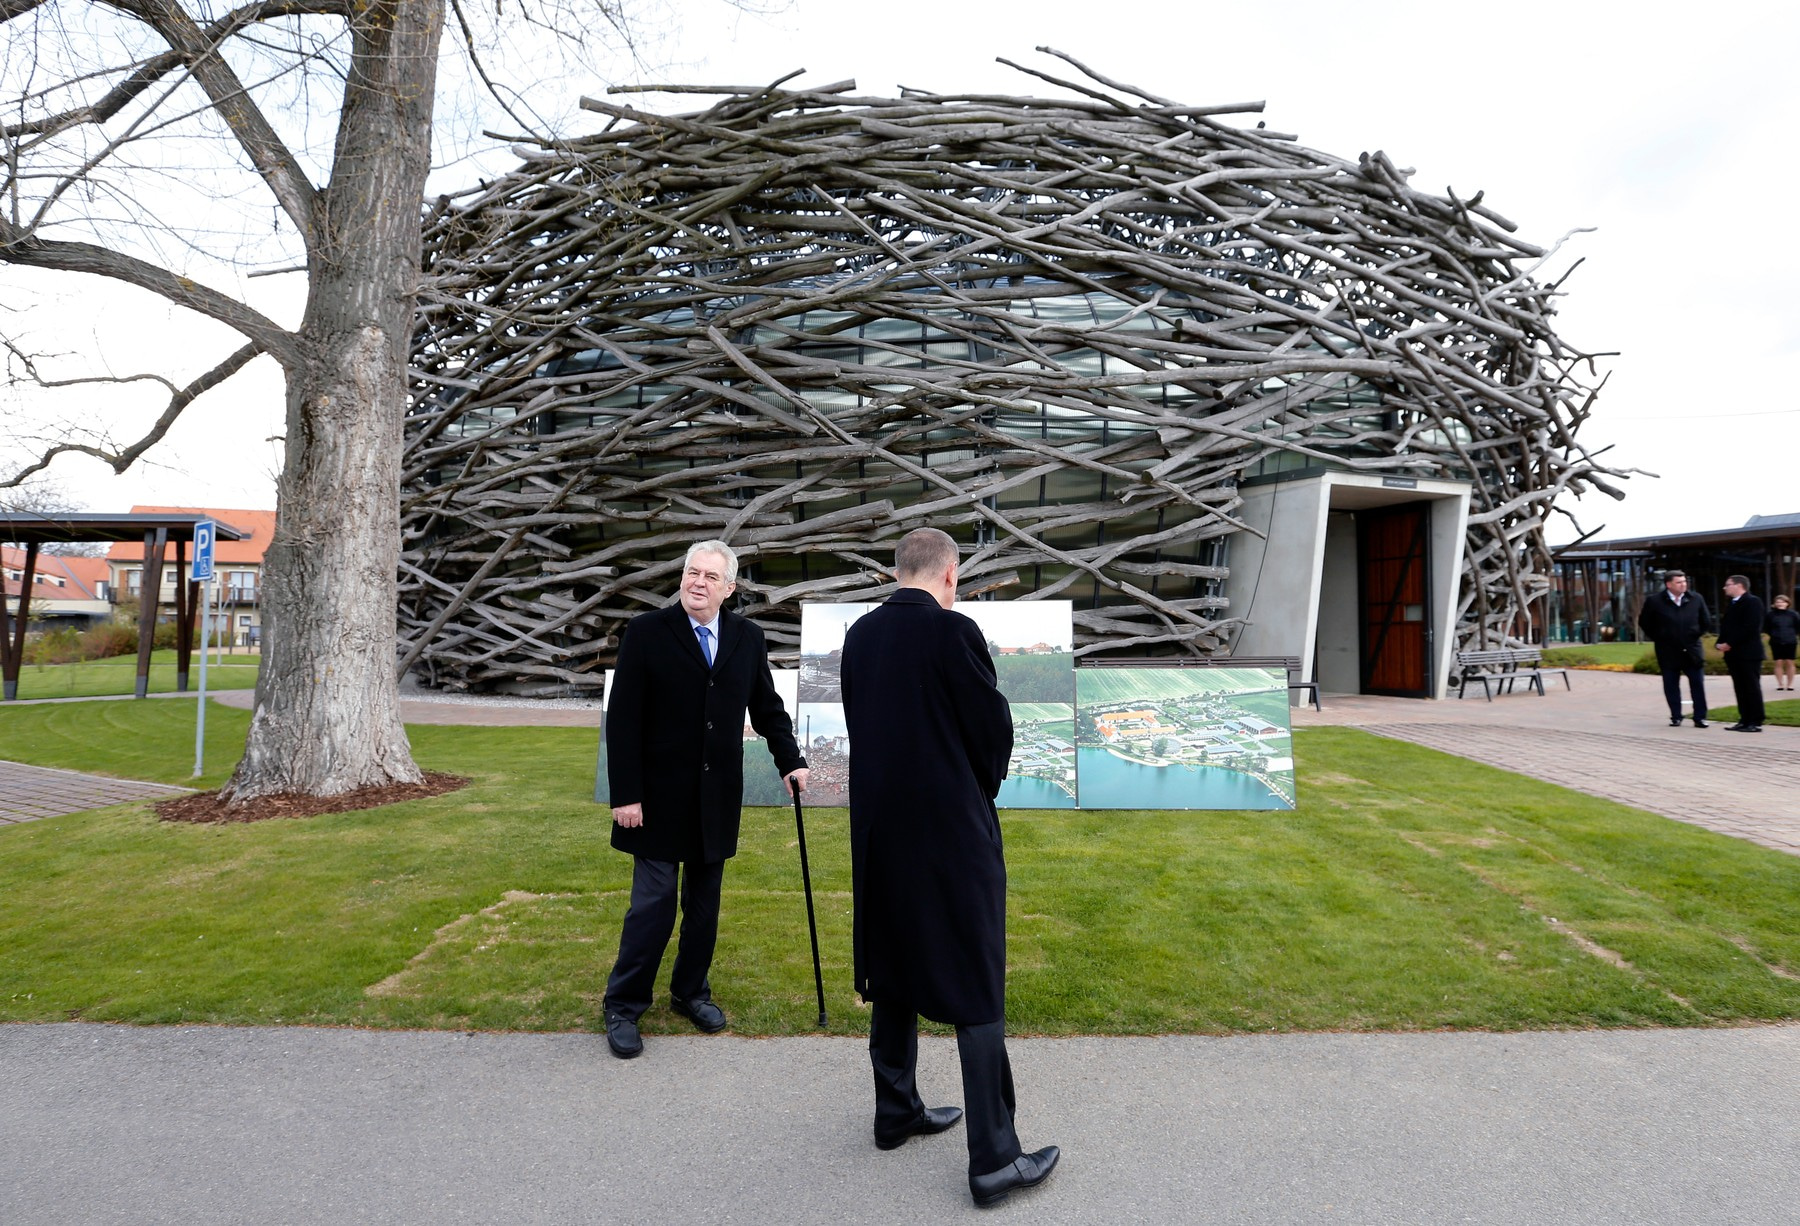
1094, 738
1184, 738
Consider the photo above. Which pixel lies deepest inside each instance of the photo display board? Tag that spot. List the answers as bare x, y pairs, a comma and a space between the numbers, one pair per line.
1094, 738
1184, 738
1090, 738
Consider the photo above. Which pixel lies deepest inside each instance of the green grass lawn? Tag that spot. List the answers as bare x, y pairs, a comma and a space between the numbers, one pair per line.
1785, 713
118, 675
1410, 890
1588, 655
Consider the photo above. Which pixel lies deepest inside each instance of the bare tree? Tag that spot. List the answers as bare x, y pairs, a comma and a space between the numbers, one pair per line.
325, 107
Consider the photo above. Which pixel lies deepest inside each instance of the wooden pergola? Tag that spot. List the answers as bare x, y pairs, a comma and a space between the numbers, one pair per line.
33, 530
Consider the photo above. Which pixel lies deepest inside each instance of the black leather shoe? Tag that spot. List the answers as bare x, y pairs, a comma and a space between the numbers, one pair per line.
1674, 721
1026, 1171
1737, 727
622, 1036
1699, 723
935, 1120
703, 1013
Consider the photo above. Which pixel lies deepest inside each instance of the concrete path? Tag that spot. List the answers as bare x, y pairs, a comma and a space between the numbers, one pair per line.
30, 792
1608, 735
106, 1124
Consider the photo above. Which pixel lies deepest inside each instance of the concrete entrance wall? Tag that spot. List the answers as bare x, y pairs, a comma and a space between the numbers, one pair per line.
1297, 586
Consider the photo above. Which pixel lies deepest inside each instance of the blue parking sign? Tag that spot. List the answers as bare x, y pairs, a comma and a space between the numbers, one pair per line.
203, 550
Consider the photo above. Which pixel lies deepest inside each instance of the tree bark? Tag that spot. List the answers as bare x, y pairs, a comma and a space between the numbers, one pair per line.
327, 717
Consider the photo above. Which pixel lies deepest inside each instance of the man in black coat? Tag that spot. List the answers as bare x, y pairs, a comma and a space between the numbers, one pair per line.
685, 677
1740, 642
930, 736
1674, 619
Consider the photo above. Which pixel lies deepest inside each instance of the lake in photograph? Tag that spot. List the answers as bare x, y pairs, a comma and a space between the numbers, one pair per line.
1025, 793
1109, 782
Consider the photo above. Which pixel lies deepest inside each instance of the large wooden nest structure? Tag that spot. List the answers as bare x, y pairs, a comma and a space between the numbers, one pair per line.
1064, 330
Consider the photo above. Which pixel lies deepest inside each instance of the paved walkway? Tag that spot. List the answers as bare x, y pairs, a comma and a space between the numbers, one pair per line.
117, 1124
1609, 736
30, 792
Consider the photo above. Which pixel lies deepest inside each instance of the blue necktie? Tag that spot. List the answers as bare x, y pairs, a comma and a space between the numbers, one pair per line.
705, 643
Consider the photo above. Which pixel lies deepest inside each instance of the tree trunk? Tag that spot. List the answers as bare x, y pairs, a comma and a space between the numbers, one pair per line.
327, 717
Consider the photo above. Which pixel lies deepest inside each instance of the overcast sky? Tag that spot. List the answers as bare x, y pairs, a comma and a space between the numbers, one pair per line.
1669, 137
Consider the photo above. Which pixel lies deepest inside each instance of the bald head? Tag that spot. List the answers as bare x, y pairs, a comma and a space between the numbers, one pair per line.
923, 553
926, 559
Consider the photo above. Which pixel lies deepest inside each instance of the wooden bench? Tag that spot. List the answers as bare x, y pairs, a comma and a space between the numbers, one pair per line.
1290, 663
1503, 667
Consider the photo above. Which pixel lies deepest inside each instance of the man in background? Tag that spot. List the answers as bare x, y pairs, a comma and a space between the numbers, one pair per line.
1675, 619
1740, 642
930, 736
686, 675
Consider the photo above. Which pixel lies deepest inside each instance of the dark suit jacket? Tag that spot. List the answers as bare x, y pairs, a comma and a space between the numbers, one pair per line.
930, 736
674, 733
1676, 630
1740, 625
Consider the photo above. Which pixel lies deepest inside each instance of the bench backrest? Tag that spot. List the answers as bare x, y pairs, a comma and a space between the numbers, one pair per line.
1499, 655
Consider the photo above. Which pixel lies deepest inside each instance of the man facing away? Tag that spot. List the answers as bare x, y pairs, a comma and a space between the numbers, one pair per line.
685, 677
1740, 642
1674, 619
930, 736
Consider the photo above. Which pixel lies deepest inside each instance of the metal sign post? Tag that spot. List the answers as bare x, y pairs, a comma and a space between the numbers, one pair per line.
203, 571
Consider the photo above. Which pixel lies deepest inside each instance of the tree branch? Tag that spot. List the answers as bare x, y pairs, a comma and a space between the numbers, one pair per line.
199, 49
18, 247
121, 460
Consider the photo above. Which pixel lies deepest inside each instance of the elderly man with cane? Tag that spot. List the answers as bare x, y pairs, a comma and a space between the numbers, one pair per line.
930, 736
686, 676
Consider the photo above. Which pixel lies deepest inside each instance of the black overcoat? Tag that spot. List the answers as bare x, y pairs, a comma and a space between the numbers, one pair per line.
675, 731
930, 736
1676, 629
1740, 628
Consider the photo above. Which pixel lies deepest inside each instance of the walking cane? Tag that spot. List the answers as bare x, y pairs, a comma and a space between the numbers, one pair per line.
812, 924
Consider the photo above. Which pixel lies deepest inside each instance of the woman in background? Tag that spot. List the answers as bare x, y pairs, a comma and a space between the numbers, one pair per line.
1783, 627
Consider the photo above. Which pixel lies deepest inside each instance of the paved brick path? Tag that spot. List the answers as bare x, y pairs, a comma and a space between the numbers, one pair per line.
1608, 736
30, 792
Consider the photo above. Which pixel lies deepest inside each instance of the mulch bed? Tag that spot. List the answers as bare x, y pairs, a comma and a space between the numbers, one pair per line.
208, 807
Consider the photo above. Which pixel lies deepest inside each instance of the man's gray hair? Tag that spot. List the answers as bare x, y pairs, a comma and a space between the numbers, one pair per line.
1740, 580
923, 552
718, 547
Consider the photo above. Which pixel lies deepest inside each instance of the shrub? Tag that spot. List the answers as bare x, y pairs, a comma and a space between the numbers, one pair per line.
105, 642
61, 646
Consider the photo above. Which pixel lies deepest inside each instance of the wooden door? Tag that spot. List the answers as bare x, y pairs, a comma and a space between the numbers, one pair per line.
1396, 617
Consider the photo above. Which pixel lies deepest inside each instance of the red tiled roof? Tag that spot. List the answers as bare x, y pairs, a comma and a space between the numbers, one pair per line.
79, 575
258, 528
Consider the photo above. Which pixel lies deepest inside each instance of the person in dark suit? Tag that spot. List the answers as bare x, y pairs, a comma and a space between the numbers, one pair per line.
686, 675
1675, 619
930, 736
1740, 642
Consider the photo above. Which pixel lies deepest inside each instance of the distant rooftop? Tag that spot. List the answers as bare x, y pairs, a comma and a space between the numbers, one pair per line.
1790, 520
1760, 529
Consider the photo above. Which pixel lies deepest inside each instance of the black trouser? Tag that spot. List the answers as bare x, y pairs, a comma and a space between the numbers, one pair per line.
1696, 679
1746, 683
988, 1101
645, 934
